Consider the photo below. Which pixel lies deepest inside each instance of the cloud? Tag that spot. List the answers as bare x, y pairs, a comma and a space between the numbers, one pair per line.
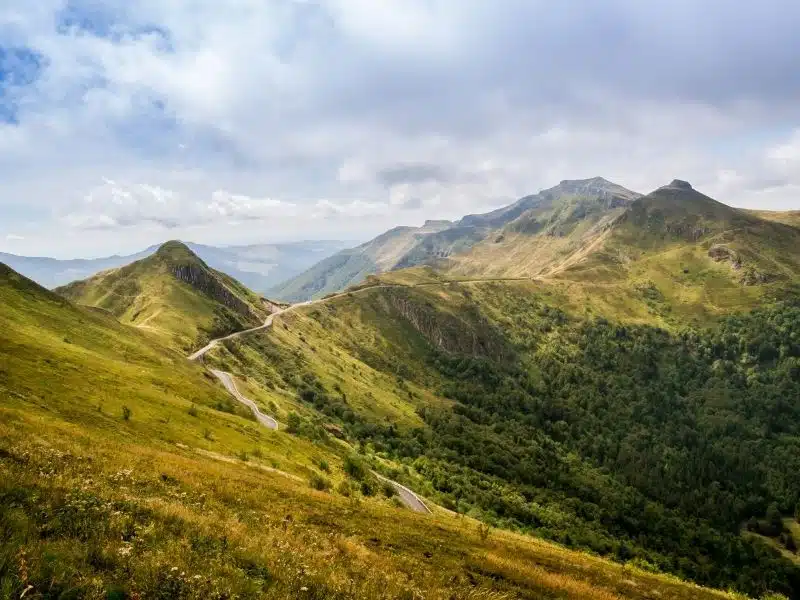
411, 173
12, 237
236, 112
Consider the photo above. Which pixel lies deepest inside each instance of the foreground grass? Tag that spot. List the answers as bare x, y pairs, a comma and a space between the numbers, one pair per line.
83, 515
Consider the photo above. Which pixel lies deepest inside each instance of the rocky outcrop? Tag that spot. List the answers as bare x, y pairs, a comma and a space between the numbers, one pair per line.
679, 184
720, 253
472, 335
203, 280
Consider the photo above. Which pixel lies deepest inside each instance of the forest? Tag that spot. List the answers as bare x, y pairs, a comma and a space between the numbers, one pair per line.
649, 446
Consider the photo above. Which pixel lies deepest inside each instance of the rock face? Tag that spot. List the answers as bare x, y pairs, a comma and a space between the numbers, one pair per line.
720, 253
472, 337
679, 184
204, 281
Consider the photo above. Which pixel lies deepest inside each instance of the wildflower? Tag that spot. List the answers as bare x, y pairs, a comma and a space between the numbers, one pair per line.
125, 550
173, 569
304, 589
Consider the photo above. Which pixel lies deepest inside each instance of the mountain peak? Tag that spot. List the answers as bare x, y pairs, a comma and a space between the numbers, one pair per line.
175, 251
679, 184
598, 181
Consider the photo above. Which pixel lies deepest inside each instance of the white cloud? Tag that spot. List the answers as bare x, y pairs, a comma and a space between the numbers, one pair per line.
13, 237
252, 119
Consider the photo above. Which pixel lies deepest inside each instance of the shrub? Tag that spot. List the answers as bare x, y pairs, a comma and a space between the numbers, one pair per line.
318, 482
193, 410
344, 488
388, 489
367, 489
323, 465
354, 467
127, 413
484, 529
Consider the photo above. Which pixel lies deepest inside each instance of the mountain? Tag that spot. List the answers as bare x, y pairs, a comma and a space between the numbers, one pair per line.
172, 294
637, 399
126, 472
351, 266
261, 266
541, 228
587, 407
404, 247
52, 272
258, 266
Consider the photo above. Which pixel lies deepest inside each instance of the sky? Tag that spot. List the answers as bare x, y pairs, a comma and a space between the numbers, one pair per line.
124, 123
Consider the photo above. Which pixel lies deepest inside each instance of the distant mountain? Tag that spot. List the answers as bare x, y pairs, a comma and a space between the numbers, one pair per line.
258, 266
672, 252
174, 295
436, 240
52, 272
388, 251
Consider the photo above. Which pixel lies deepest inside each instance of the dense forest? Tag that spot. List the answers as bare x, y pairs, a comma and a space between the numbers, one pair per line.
661, 448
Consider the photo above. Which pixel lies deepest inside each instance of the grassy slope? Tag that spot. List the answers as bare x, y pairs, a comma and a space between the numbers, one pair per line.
650, 262
148, 295
531, 244
92, 505
660, 251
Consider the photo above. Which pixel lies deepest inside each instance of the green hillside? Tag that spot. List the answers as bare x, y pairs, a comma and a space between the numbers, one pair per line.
625, 440
352, 266
126, 473
172, 295
688, 256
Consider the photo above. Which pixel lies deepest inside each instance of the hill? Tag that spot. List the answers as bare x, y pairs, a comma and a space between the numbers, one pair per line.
125, 472
404, 247
497, 401
670, 255
174, 295
258, 266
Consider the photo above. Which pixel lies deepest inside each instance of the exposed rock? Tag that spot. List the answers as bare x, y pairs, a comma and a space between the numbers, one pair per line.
447, 332
720, 253
752, 276
679, 184
203, 280
334, 430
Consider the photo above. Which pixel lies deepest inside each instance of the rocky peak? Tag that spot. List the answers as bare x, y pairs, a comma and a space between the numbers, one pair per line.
595, 186
679, 184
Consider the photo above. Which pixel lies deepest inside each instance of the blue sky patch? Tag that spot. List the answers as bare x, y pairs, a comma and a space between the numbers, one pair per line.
19, 67
87, 17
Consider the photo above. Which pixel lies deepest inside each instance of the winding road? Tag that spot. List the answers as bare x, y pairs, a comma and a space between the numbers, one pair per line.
230, 385
409, 498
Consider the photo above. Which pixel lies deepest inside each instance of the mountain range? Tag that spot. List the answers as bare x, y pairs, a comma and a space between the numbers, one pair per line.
436, 240
259, 266
591, 393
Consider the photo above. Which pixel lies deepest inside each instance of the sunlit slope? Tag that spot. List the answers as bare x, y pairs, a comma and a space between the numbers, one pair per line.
681, 251
555, 210
122, 475
671, 255
561, 221
172, 295
515, 403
